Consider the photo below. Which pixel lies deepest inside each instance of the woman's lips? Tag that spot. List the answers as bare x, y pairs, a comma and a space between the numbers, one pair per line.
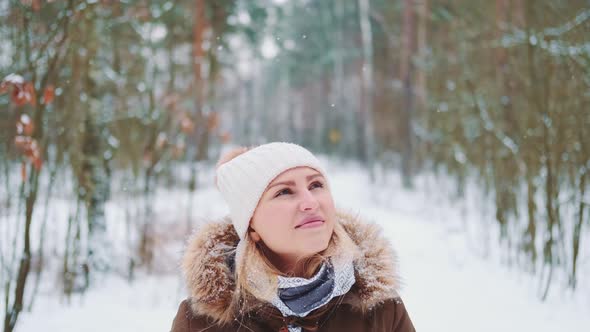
310, 224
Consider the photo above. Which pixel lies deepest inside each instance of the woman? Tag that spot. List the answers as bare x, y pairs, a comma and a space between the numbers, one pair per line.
285, 259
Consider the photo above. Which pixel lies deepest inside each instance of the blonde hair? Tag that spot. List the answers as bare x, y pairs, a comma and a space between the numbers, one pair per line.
255, 275
255, 262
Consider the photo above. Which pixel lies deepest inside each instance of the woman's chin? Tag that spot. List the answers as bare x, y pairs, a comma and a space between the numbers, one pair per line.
314, 246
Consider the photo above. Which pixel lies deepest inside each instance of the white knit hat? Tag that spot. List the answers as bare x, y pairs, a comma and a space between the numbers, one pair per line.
242, 180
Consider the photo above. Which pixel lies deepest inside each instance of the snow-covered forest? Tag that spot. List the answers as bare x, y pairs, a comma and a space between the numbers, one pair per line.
460, 126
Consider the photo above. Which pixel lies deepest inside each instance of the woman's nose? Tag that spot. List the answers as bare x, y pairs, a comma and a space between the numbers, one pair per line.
308, 201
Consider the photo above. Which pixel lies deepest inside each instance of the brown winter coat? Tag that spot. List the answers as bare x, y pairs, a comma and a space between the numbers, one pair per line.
373, 303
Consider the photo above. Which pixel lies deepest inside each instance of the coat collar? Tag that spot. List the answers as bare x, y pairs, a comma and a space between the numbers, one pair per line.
207, 268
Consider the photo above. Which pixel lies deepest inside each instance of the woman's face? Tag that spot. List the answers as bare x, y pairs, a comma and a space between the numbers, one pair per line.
295, 216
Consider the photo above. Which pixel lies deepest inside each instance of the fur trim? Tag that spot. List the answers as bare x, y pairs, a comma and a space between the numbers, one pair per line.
210, 280
376, 271
207, 272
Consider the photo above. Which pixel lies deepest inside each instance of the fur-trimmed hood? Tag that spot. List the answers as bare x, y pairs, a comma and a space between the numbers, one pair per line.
208, 259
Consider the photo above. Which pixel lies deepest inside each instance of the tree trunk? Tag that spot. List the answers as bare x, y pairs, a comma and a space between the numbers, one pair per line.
422, 33
201, 31
502, 72
578, 229
338, 78
366, 101
531, 231
12, 314
32, 180
408, 104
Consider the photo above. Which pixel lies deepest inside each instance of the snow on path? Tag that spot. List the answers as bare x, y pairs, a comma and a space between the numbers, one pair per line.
447, 287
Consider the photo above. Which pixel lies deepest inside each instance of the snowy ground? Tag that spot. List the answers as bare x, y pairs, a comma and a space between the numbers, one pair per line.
448, 286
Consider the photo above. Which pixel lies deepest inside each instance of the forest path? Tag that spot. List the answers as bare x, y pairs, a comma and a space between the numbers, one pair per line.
447, 286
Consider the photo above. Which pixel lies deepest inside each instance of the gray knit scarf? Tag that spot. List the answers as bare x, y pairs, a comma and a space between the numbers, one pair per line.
300, 296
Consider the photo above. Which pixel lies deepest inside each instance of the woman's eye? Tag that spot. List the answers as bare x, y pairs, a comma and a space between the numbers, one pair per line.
285, 191
316, 184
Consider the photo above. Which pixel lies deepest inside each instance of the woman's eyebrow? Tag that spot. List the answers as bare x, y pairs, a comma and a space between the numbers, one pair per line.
292, 183
285, 183
313, 176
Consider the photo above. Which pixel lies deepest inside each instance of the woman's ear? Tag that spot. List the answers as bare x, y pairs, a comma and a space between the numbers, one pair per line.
253, 235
